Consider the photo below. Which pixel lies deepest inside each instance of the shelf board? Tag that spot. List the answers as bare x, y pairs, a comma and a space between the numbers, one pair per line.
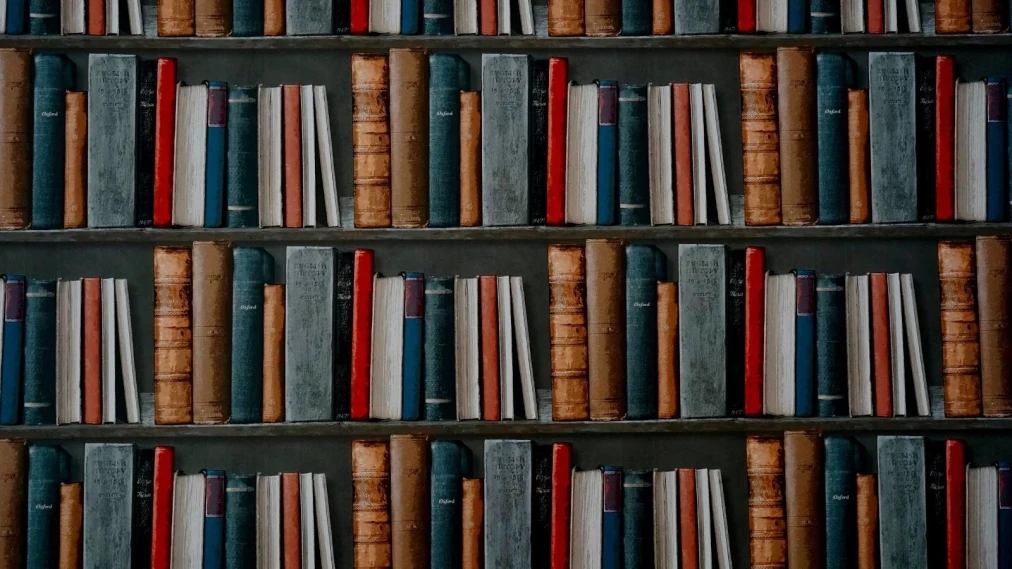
506, 428
496, 43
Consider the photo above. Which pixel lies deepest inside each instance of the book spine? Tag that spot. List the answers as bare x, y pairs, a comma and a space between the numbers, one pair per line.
409, 126
641, 331
638, 520
109, 473
214, 182
445, 504
291, 526
13, 344
309, 320
274, 17
75, 177
316, 17
934, 455
955, 503
291, 106
359, 20
71, 525
48, 142
880, 345
147, 100
892, 97
667, 350
274, 354
173, 376
446, 75
410, 16
95, 13
760, 138
681, 137
831, 109
988, 16
370, 134
755, 331
876, 17
240, 521
867, 521
487, 17
241, 157
44, 17
993, 283
247, 334
565, 17
839, 502
959, 328
212, 332
13, 489
611, 518
607, 151
247, 18
804, 486
558, 95
997, 157
144, 495
952, 16
440, 390
165, 135
214, 519
804, 363
344, 298
702, 283
561, 504
361, 334
470, 158
825, 17
112, 140
1004, 514
472, 522
633, 166
414, 305
797, 16
42, 525
925, 70
796, 100
40, 352
505, 128
91, 349
567, 312
830, 346
508, 482
342, 18
857, 159
697, 17
736, 333
945, 118
410, 494
687, 519
636, 17
746, 17
161, 508
606, 342
538, 200
902, 509
175, 18
437, 17
764, 458
16, 120
490, 396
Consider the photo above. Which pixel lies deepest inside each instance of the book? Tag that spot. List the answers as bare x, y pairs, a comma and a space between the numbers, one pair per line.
165, 140
247, 18
470, 158
698, 154
892, 100
926, 144
240, 520
370, 473
696, 17
465, 17
640, 331
824, 17
108, 497
409, 153
780, 371
638, 519
704, 519
48, 132
326, 152
945, 117
568, 332
831, 125
70, 524
91, 349
214, 519
107, 323
189, 178
14, 489
241, 156
858, 315
68, 352
755, 326
40, 353
859, 196
582, 159
992, 267
901, 491
881, 364
960, 343
71, 13
766, 501
660, 160
438, 17
472, 520
176, 18
867, 520
274, 354
538, 199
488, 318
505, 350
361, 332
508, 503
701, 294
796, 106
955, 502
606, 344
324, 534
448, 75
48, 466
688, 525
667, 350
439, 349
188, 500
665, 520
715, 151
611, 517
914, 350
247, 372
467, 353
996, 149
268, 517
523, 347
971, 140
385, 17
561, 505
897, 369
270, 163
75, 177
173, 336
558, 114
982, 516
212, 332
588, 498
147, 103
541, 505
634, 155
719, 516
310, 18
841, 463
760, 139
161, 507
607, 151
410, 499
307, 521
505, 135
804, 485
358, 20
214, 182
309, 323
831, 345
414, 304
112, 140
370, 139
291, 519
451, 464
385, 386
934, 462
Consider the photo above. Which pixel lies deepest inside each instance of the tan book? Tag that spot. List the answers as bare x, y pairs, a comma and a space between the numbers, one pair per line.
667, 350
799, 197
274, 353
176, 18
988, 16
470, 158
960, 341
274, 17
370, 508
994, 285
767, 521
663, 20
212, 332
16, 147
409, 137
867, 521
71, 520
803, 483
857, 156
213, 18
13, 496
472, 514
760, 138
75, 171
173, 336
565, 17
409, 500
952, 16
370, 139
567, 328
606, 328
603, 17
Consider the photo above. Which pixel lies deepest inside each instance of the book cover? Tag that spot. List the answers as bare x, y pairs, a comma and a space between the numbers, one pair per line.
558, 100
309, 324
240, 521
611, 518
451, 463
701, 328
633, 158
934, 458
755, 329
945, 118
902, 510
842, 462
892, 101
606, 331
997, 151
440, 391
214, 180
165, 137
409, 154
736, 317
697, 17
48, 466
505, 136
212, 332
538, 201
241, 157
13, 347
541, 502
361, 333
108, 499
830, 345
412, 361
247, 18
561, 504
214, 519
804, 351
508, 504
313, 18
112, 140
437, 18
638, 520
143, 507
804, 484
607, 151
448, 75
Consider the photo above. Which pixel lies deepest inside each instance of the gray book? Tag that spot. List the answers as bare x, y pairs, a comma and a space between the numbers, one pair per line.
892, 119
507, 504
505, 138
309, 334
309, 17
112, 140
702, 278
697, 17
901, 503
108, 505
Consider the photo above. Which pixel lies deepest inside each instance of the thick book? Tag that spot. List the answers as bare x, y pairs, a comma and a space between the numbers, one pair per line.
796, 110
831, 109
561, 504
247, 18
779, 361
505, 137
212, 332
736, 318
48, 466
414, 310
667, 350
439, 346
760, 138
361, 330
764, 459
697, 17
274, 17
804, 350
40, 353
611, 517
13, 349
541, 505
701, 325
214, 179
567, 317
71, 522
437, 17
467, 356
188, 499
451, 463
755, 326
448, 75
641, 332
165, 139
636, 17
13, 499
15, 110
607, 151
310, 18
892, 97
970, 145
664, 147
858, 317
344, 306
538, 201
558, 104
241, 157
831, 345
409, 126
143, 507
842, 461
43, 17
902, 509
386, 368
824, 17
945, 118
147, 103
247, 373
997, 151
508, 504
161, 507
48, 147
606, 344
108, 500
804, 485
309, 318
409, 500
982, 517
859, 199
587, 530
995, 312
112, 140
960, 332
370, 134
240, 521
638, 519
633, 156
370, 505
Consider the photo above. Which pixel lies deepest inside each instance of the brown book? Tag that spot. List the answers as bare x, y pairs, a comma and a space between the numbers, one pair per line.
173, 336
213, 18
994, 285
883, 388
767, 521
370, 139
291, 535
75, 171
667, 350
799, 196
603, 17
803, 482
212, 332
867, 521
470, 158
858, 160
489, 314
409, 137
292, 128
91, 348
663, 19
960, 343
472, 518
409, 500
952, 16
176, 17
71, 520
16, 145
987, 16
567, 328
565, 17
274, 17
606, 328
370, 507
96, 17
13, 495
687, 524
681, 138
274, 353
760, 140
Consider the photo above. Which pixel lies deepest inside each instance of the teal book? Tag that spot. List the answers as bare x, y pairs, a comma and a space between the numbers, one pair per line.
48, 466
451, 463
40, 352
633, 156
638, 519
249, 276
242, 155
44, 17
48, 142
214, 519
439, 354
641, 331
214, 170
240, 521
842, 460
448, 76
247, 18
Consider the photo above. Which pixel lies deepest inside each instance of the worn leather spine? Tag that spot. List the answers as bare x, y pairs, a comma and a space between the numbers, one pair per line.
988, 16
803, 484
176, 17
663, 18
370, 139
760, 138
565, 18
409, 500
212, 332
173, 336
409, 137
667, 350
633, 156
213, 18
274, 353
370, 472
274, 17
767, 525
605, 323
470, 158
473, 507
71, 522
75, 175
960, 331
952, 16
16, 146
994, 285
867, 521
13, 498
831, 124
47, 467
796, 107
640, 331
567, 323
857, 156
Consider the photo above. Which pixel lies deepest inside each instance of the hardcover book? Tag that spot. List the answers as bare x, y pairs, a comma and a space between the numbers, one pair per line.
112, 140
309, 326
505, 136
892, 101
108, 505
701, 328
902, 509
508, 504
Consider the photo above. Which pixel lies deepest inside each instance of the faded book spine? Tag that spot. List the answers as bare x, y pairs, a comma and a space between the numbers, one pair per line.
667, 350
409, 145
960, 331
926, 112
212, 18
892, 96
47, 466
993, 284
505, 139
830, 345
767, 522
637, 520
370, 475
75, 170
952, 16
867, 521
796, 106
108, 499
697, 17
48, 142
112, 140
176, 17
291, 109
538, 199
13, 498
470, 158
760, 138
240, 521
310, 18
859, 203
472, 520
606, 345
451, 462
173, 375
565, 18
241, 157
508, 504
633, 156
988, 16
701, 329
902, 508
440, 391
143, 507
274, 354
16, 147
309, 319
212, 332
448, 75
735, 332
831, 123
567, 311
603, 17
640, 331
40, 352
804, 487
409, 500
370, 134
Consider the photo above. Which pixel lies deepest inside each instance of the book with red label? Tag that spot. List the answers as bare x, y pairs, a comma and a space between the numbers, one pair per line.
292, 148
755, 328
165, 140
746, 16
161, 507
558, 94
681, 137
359, 16
361, 333
562, 466
883, 387
945, 119
955, 503
489, 316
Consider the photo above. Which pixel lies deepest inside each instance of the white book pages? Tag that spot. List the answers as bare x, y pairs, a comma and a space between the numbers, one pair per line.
704, 527
585, 525
852, 16
308, 116
858, 346
136, 17
523, 341
505, 321
504, 18
720, 533
698, 143
970, 151
771, 16
981, 517
913, 16
526, 9
891, 22
326, 151
125, 339
62, 347
71, 16
666, 520
3, 16
190, 156
466, 351
387, 348
112, 17
307, 519
716, 151
465, 17
914, 349
385, 16
74, 360
269, 522
187, 551
269, 159
581, 154
896, 351
780, 334
659, 149
324, 535
108, 289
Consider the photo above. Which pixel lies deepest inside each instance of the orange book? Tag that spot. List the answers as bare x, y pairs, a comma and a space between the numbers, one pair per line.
91, 347
488, 23
681, 132
96, 17
687, 517
290, 521
488, 299
291, 103
880, 345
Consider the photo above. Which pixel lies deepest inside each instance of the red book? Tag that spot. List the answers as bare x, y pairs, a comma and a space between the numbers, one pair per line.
746, 16
361, 333
291, 103
880, 345
91, 345
359, 16
165, 137
487, 24
687, 517
96, 17
876, 17
488, 301
681, 138
755, 328
161, 511
955, 503
562, 466
945, 118
558, 95
291, 535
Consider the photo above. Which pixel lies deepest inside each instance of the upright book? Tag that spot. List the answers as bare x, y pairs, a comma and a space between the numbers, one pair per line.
505, 136
892, 97
112, 140
108, 505
508, 484
309, 325
701, 324
902, 508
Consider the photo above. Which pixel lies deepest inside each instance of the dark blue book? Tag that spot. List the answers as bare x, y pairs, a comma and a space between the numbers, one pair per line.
451, 463
804, 351
247, 18
997, 200
214, 180
448, 76
1004, 515
607, 151
44, 17
840, 489
16, 16
638, 519
414, 307
240, 521
660, 265
214, 519
14, 337
797, 16
241, 175
440, 386
825, 17
633, 156
637, 16
641, 331
40, 352
831, 345
437, 20
48, 141
248, 279
611, 518
831, 105
48, 466
409, 16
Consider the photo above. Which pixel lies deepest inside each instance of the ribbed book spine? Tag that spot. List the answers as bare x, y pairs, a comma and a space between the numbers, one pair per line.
736, 333
825, 17
248, 333
40, 352
214, 180
636, 17
451, 462
241, 174
248, 18
539, 142
437, 20
831, 105
997, 198
440, 390
448, 76
830, 345
146, 105
638, 520
607, 151
804, 368
44, 17
13, 342
48, 143
414, 305
633, 158
240, 521
44, 477
611, 518
641, 332
343, 297
214, 519
840, 490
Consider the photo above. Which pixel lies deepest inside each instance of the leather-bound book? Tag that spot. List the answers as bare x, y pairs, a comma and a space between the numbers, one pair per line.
955, 503
803, 485
798, 153
605, 328
473, 507
274, 17
988, 16
567, 323
291, 534
291, 109
409, 137
91, 349
687, 523
945, 118
96, 17
173, 336
489, 316
212, 332
663, 18
960, 343
13, 497
75, 175
16, 149
755, 329
880, 345
71, 518
759, 138
470, 158
603, 17
213, 18
994, 285
176, 17
952, 16
565, 17
857, 160
767, 521
681, 136
409, 500
370, 517
867, 521
667, 350
274, 353
370, 139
